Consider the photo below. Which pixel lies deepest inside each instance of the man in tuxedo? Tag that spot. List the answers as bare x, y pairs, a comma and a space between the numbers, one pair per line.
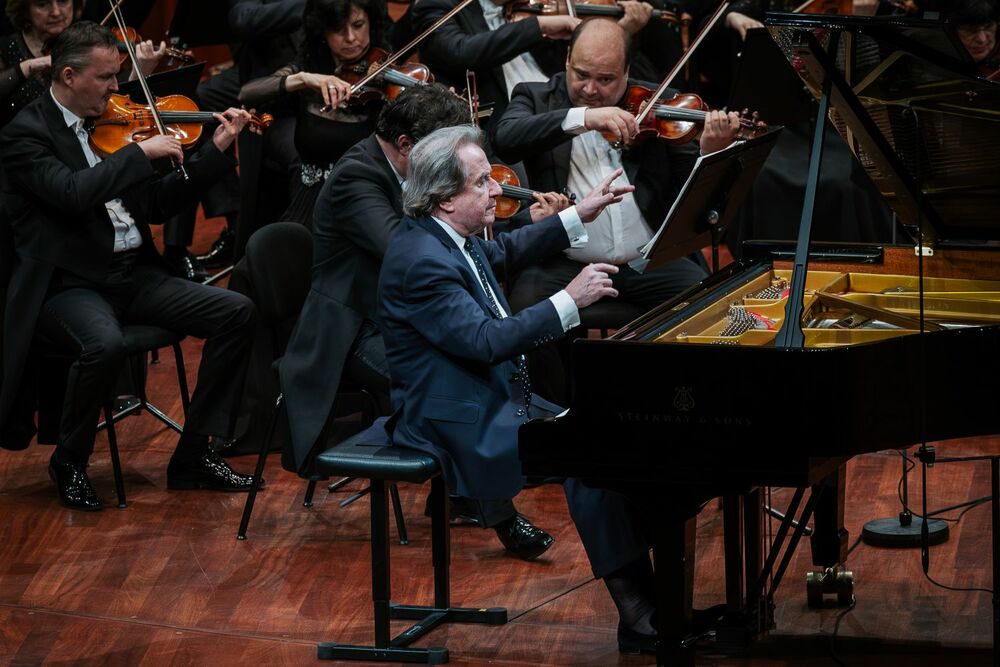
460, 388
556, 129
86, 265
338, 337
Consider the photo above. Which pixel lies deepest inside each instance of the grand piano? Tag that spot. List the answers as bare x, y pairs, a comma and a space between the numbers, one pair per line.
776, 370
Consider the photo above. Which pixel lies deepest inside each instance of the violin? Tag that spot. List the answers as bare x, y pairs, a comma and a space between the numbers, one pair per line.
509, 202
515, 10
387, 84
124, 122
678, 119
132, 37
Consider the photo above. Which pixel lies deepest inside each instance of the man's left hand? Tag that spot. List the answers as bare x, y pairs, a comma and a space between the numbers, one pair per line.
720, 130
546, 204
604, 194
231, 122
637, 15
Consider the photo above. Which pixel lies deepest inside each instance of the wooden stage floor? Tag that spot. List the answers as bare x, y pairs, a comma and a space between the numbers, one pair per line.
165, 581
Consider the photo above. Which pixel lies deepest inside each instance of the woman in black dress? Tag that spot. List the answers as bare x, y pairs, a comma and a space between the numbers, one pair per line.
338, 37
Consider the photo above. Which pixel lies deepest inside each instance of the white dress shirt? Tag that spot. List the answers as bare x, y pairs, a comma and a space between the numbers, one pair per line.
127, 236
569, 314
620, 230
523, 67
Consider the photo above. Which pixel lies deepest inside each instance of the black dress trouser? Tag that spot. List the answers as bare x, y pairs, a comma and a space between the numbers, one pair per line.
85, 319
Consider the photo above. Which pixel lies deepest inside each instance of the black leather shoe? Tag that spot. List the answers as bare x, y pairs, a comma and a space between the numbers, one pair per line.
75, 491
520, 538
632, 642
221, 254
187, 266
209, 471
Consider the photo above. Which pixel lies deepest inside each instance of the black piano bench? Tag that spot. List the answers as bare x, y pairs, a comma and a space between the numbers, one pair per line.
383, 464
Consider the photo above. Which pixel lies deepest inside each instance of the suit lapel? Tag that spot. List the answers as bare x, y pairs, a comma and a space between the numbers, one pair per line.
561, 154
64, 138
472, 281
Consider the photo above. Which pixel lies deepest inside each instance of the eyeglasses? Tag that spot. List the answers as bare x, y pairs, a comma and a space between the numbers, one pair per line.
973, 30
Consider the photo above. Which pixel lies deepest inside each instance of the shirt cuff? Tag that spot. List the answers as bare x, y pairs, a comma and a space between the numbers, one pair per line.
575, 230
569, 314
573, 123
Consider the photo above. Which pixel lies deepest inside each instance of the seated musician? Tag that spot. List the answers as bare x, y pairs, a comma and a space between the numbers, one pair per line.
976, 26
338, 37
556, 129
357, 213
459, 386
87, 265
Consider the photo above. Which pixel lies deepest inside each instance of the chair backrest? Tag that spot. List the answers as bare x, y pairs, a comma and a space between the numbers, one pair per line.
279, 261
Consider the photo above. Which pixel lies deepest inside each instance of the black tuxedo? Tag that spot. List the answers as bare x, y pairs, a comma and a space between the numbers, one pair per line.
357, 213
531, 131
466, 42
64, 242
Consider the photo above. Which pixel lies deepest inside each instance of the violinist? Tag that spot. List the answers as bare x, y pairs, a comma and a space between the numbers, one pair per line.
338, 37
556, 129
87, 265
24, 56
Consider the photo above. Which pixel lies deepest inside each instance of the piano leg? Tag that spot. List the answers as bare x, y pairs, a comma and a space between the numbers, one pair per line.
829, 543
673, 560
745, 618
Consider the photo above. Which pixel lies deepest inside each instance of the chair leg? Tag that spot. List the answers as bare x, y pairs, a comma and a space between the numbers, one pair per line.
397, 510
308, 501
139, 377
182, 382
339, 483
440, 543
258, 472
116, 464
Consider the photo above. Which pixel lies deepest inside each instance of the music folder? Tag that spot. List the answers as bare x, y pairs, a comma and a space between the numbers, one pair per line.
182, 80
711, 196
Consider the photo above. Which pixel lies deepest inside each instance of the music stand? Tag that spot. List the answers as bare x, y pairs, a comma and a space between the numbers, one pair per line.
180, 81
708, 201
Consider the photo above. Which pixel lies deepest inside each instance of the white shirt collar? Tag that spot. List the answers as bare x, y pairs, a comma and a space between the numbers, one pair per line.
71, 118
457, 238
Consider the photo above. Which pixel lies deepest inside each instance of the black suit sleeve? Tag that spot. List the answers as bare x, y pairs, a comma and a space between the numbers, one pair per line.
249, 19
523, 131
453, 48
171, 193
356, 201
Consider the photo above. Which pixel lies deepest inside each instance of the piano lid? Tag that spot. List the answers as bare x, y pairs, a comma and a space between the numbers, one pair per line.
911, 104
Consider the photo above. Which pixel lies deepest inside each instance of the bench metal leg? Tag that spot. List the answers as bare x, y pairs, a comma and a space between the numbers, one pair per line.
116, 464
386, 648
258, 473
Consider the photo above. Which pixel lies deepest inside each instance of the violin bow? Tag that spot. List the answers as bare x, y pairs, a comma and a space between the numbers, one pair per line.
641, 116
112, 12
150, 100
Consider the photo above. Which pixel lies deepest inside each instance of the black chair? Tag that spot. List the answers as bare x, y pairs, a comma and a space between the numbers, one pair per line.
278, 259
141, 341
384, 465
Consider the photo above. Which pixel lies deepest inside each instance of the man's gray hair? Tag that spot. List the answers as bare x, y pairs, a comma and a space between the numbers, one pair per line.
435, 171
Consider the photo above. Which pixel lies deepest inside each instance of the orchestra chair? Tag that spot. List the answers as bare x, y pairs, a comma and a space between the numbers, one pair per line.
278, 261
371, 455
141, 341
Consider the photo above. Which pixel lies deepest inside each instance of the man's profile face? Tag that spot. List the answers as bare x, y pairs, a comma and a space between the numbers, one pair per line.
92, 86
474, 207
596, 75
979, 40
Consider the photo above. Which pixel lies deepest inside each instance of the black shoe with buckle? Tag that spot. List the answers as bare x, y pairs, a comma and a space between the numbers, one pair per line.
185, 265
208, 471
221, 254
633, 642
522, 539
75, 491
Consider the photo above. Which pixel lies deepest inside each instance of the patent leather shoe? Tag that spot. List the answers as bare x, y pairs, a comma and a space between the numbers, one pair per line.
187, 266
75, 491
633, 642
221, 254
208, 471
522, 539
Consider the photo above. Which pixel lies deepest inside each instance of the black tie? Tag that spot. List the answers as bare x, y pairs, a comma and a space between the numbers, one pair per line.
522, 362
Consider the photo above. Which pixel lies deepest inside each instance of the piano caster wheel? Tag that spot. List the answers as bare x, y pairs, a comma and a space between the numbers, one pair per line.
831, 581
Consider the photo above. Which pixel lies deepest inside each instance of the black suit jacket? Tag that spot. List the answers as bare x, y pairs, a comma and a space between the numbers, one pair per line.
531, 130
356, 214
54, 204
466, 42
